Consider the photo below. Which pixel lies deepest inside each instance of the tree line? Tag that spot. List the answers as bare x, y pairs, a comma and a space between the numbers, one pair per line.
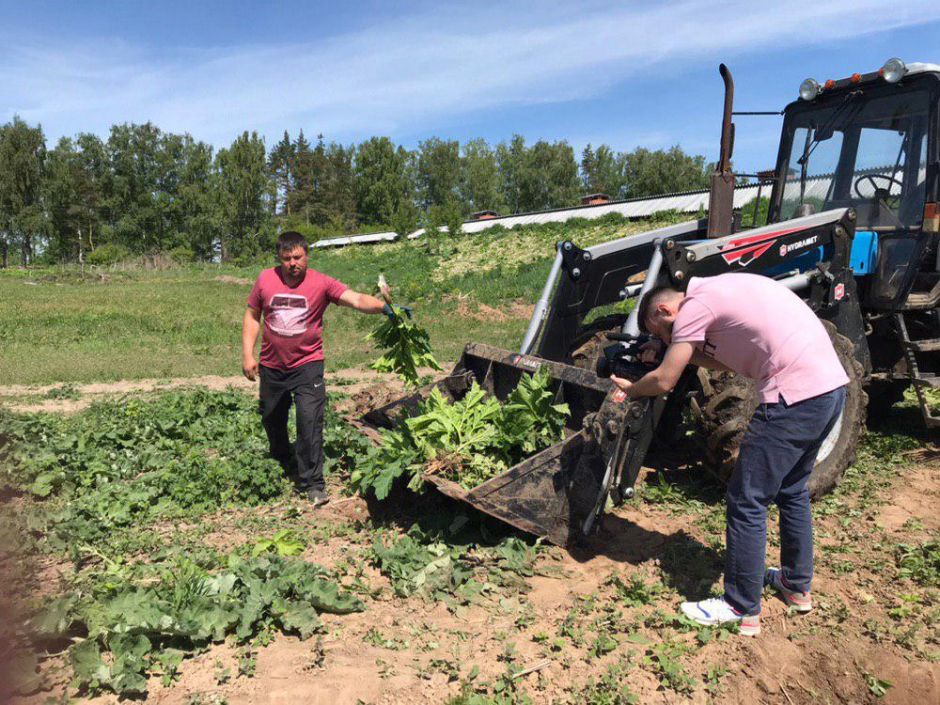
145, 191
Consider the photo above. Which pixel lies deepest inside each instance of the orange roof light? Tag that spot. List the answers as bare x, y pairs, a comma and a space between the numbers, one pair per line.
856, 77
828, 85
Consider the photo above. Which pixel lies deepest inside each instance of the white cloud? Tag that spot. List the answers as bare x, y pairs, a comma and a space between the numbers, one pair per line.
407, 74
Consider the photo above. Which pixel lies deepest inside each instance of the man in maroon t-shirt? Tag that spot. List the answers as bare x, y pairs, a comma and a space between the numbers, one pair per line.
292, 300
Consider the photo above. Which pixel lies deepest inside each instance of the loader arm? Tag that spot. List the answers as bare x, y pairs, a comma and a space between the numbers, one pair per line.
586, 279
810, 255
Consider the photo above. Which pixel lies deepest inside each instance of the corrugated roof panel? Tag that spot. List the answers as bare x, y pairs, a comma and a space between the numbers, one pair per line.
366, 239
638, 208
690, 202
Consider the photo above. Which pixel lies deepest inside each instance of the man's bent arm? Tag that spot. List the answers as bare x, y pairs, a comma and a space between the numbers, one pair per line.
664, 377
361, 302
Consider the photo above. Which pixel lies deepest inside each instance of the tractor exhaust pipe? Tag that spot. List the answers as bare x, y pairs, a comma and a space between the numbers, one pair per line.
721, 195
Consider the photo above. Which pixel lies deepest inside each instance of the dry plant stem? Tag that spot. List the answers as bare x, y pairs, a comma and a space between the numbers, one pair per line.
537, 666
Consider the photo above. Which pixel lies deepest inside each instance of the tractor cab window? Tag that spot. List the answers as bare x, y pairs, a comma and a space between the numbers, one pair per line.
860, 151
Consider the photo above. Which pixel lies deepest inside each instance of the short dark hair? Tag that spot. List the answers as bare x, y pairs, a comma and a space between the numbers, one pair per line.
290, 240
649, 300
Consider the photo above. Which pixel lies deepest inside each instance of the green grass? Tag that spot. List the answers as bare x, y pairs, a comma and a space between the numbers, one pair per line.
145, 325
59, 327
185, 323
188, 324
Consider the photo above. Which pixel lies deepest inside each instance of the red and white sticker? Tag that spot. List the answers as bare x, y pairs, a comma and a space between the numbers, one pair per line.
526, 362
744, 250
839, 293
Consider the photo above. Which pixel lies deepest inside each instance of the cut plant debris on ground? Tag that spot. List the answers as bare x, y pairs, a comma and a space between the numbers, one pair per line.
155, 552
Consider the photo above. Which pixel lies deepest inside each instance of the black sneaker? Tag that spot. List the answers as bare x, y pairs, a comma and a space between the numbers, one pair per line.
317, 496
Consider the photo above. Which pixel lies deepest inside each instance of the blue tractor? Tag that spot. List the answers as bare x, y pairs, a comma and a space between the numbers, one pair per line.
853, 226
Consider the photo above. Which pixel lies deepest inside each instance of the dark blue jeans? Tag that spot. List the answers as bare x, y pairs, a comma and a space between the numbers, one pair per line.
777, 455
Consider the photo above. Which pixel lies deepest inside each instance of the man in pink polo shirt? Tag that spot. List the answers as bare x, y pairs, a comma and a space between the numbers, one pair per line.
292, 299
755, 327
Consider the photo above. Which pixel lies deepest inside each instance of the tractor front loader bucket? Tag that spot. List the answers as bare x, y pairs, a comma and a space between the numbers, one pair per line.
559, 492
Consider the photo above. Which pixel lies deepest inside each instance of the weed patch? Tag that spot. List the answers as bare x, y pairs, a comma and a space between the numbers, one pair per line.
920, 563
128, 629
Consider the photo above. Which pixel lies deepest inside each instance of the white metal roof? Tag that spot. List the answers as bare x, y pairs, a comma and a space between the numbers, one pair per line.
690, 202
687, 202
366, 239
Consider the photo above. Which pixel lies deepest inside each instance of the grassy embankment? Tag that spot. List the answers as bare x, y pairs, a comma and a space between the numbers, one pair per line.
60, 327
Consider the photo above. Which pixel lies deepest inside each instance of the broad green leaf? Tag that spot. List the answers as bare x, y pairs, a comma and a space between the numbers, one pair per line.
87, 664
44, 483
300, 618
326, 596
55, 618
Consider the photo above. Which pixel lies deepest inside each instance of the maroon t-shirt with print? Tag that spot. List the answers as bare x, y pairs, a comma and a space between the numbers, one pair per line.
293, 316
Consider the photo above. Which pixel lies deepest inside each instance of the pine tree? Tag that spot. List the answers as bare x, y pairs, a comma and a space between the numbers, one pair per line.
382, 182
244, 191
338, 187
280, 163
301, 169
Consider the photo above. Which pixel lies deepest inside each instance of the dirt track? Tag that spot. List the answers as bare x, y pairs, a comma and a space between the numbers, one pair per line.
349, 381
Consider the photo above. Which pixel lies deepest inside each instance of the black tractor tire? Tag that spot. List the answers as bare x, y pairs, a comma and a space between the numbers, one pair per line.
729, 400
882, 396
589, 343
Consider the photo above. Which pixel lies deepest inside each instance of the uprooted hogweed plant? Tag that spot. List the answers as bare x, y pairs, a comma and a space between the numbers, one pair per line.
405, 346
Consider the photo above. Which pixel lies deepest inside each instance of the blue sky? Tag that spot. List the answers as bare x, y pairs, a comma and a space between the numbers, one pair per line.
627, 74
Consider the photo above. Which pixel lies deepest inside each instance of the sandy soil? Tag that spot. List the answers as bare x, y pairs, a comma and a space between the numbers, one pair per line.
350, 381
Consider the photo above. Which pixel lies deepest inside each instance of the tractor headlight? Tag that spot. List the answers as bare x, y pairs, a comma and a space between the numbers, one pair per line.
893, 70
809, 89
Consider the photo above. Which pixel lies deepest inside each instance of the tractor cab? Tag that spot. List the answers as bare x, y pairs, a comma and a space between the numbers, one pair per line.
870, 143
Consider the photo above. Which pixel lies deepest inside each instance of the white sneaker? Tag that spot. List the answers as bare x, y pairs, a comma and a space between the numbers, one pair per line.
717, 611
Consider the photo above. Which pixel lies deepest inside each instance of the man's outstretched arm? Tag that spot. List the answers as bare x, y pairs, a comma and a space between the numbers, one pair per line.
361, 302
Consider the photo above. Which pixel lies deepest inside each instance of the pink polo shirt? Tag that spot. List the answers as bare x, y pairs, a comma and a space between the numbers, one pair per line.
762, 330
